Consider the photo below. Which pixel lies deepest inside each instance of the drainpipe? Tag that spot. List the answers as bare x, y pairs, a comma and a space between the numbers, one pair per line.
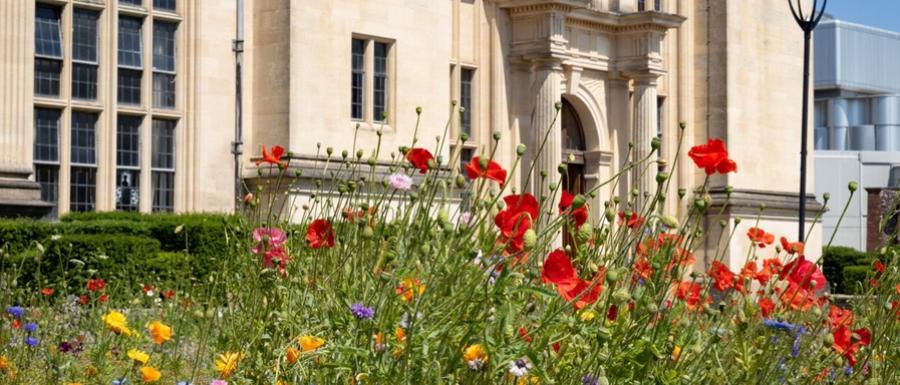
237, 45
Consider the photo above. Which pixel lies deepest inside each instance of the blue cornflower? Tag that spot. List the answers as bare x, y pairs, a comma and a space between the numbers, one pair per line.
31, 327
31, 341
121, 381
589, 380
795, 349
183, 383
16, 311
786, 326
362, 311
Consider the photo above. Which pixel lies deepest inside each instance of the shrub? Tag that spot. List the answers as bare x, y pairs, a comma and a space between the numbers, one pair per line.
855, 278
17, 235
835, 259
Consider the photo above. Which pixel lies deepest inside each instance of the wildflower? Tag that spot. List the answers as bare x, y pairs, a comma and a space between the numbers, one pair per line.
168, 294
642, 269
226, 363
268, 238
690, 293
121, 381
519, 367
292, 355
515, 220
766, 306
419, 158
587, 315
803, 273
15, 311
95, 285
878, 266
117, 323
771, 267
276, 259
310, 343
160, 332
138, 356
839, 316
103, 298
400, 334
475, 356
723, 278
319, 234
676, 352
248, 198
361, 311
409, 288
491, 171
465, 218
796, 297
31, 327
760, 237
31, 341
847, 343
579, 215
218, 382
558, 270
400, 181
150, 374
379, 344
588, 379
272, 158
523, 334
4, 363
712, 157
46, 292
791, 247
631, 221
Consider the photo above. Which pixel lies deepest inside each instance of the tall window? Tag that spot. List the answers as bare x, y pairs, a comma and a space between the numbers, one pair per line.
84, 54
168, 5
358, 79
163, 165
164, 64
465, 100
381, 82
642, 5
128, 162
130, 60
131, 2
46, 154
83, 174
48, 52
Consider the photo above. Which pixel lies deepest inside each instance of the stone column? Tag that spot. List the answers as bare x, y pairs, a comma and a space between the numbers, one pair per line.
19, 196
547, 90
645, 129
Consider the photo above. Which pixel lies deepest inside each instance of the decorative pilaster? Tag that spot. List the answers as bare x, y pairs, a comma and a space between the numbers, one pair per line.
645, 129
545, 123
19, 196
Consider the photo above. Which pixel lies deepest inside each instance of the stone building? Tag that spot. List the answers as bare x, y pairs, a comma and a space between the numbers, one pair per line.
315, 70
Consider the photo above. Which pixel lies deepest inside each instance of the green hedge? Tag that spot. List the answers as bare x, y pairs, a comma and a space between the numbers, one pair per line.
834, 261
855, 279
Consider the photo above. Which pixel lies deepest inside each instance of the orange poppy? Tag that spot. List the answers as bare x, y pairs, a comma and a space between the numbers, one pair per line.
493, 171
272, 158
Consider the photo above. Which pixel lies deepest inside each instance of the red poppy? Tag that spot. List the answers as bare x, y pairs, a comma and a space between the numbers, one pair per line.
760, 237
523, 334
559, 271
103, 298
766, 306
148, 289
682, 258
791, 247
271, 158
632, 222
46, 292
16, 324
319, 234
803, 273
95, 285
839, 316
723, 278
878, 266
556, 346
83, 299
690, 293
277, 258
712, 157
419, 158
580, 215
642, 269
797, 297
771, 266
493, 172
612, 313
847, 342
585, 291
515, 220
168, 294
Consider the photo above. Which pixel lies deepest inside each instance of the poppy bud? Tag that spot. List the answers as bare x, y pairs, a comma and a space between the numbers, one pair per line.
553, 186
384, 116
723, 223
737, 221
483, 163
826, 196
681, 193
622, 295
585, 231
729, 190
461, 110
616, 200
368, 232
829, 339
443, 216
413, 197
298, 172
344, 154
592, 194
762, 207
372, 161
652, 308
453, 103
359, 154
432, 164
655, 142
529, 238
259, 171
496, 135
562, 168
630, 144
578, 201
610, 214
635, 192
329, 150
418, 110
557, 105
682, 125
463, 136
520, 149
379, 132
700, 204
612, 276
670, 221
460, 181
248, 198
661, 177
852, 186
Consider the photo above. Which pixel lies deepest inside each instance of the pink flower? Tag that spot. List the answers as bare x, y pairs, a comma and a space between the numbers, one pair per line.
276, 258
218, 382
272, 236
400, 181
465, 218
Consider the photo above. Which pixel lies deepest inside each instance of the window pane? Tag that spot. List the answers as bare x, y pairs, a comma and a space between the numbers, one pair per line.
46, 135
358, 76
130, 42
127, 188
465, 100
48, 177
163, 147
84, 35
168, 5
641, 5
163, 190
381, 77
131, 2
129, 86
83, 187
47, 38
46, 77
84, 81
84, 143
163, 90
128, 148
164, 46
465, 156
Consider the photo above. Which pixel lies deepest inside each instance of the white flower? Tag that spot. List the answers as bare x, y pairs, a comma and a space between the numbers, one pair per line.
519, 367
400, 181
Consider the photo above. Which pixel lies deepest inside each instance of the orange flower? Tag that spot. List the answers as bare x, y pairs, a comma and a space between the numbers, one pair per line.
760, 237
797, 298
160, 332
272, 158
292, 355
642, 269
839, 316
771, 267
723, 278
409, 288
493, 171
847, 342
791, 247
400, 334
878, 266
150, 374
632, 221
766, 306
690, 293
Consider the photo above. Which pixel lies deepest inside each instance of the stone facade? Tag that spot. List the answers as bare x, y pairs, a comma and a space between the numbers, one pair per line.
320, 72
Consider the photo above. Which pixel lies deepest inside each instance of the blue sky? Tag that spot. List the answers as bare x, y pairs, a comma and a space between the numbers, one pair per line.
883, 14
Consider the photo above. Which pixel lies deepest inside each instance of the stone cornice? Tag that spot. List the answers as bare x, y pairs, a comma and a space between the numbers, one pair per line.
524, 7
775, 203
650, 21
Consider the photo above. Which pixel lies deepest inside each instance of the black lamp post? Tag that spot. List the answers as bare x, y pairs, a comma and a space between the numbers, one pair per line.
807, 23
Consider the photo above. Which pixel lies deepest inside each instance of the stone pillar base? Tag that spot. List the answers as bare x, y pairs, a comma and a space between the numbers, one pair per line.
21, 197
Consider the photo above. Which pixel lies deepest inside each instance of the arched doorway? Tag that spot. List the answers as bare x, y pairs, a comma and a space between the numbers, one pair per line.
573, 148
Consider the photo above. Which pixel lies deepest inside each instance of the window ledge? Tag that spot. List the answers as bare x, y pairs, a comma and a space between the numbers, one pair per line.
372, 126
49, 101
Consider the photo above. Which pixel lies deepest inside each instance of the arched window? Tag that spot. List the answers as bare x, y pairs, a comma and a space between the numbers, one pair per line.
573, 147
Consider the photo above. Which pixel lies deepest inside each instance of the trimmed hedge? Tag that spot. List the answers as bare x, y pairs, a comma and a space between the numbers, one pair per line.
855, 278
835, 260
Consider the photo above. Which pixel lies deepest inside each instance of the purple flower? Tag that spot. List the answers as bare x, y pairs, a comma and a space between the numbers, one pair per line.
361, 311
15, 311
589, 380
31, 327
400, 181
31, 341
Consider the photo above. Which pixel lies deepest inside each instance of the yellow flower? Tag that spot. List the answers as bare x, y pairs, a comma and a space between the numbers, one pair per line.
475, 356
160, 332
4, 363
226, 363
400, 334
588, 315
292, 355
138, 356
310, 343
528, 380
117, 323
676, 352
150, 374
280, 382
75, 383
